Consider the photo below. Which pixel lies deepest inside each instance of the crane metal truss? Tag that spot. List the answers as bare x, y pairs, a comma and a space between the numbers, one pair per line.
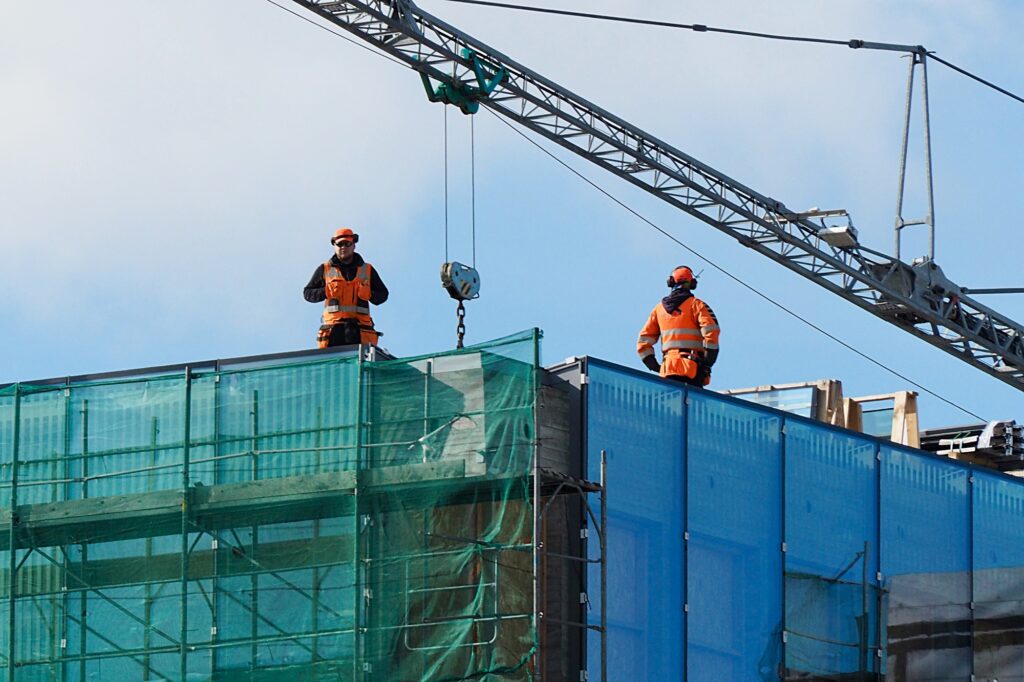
915, 297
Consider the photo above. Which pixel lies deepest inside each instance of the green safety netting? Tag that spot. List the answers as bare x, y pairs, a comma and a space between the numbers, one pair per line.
327, 519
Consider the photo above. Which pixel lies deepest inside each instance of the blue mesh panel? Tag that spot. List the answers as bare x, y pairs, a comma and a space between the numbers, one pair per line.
831, 514
639, 422
734, 558
998, 578
925, 558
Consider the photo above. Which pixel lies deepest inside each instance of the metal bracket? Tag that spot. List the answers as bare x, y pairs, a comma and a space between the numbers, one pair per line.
917, 58
465, 96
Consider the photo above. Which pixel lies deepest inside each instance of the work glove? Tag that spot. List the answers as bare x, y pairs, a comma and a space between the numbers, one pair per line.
703, 370
652, 363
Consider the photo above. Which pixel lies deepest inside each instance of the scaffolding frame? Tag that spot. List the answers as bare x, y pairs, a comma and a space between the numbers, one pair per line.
212, 555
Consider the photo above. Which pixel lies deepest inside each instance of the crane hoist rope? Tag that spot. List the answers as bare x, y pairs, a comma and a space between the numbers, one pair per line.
462, 282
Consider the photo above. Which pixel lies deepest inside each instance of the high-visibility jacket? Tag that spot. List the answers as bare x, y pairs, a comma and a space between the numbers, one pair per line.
687, 332
349, 299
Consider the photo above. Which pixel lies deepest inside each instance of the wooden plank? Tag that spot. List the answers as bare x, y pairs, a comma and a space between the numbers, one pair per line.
97, 519
292, 498
410, 475
853, 418
913, 427
133, 569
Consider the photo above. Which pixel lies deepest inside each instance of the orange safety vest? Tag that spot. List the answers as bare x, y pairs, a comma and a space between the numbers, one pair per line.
690, 330
349, 300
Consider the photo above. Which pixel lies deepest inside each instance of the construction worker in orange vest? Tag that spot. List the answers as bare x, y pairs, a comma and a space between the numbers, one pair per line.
688, 331
347, 285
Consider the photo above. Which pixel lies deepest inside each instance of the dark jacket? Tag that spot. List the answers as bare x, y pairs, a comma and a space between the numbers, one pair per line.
315, 292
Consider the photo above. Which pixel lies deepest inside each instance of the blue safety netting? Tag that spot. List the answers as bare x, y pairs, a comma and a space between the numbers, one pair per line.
750, 544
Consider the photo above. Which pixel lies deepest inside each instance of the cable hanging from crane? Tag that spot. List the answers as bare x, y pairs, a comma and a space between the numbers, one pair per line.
462, 282
335, 33
854, 43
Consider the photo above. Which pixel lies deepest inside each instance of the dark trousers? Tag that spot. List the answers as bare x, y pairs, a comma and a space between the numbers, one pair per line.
685, 380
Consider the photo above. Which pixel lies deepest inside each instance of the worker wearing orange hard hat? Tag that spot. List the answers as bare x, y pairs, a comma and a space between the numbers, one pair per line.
687, 329
347, 285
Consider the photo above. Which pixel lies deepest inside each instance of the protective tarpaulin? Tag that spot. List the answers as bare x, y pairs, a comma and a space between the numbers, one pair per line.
329, 519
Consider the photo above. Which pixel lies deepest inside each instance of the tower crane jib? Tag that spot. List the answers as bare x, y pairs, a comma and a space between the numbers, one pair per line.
917, 297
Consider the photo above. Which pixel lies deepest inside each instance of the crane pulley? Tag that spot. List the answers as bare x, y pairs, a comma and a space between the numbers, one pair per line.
462, 283
917, 298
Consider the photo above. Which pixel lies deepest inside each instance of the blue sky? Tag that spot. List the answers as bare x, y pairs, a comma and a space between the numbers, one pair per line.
171, 173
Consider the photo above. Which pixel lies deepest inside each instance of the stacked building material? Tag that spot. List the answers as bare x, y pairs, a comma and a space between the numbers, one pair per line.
997, 444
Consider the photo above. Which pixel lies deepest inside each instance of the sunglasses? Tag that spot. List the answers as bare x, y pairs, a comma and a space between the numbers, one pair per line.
343, 244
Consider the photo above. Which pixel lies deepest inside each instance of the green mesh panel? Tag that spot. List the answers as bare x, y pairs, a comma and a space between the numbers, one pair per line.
337, 520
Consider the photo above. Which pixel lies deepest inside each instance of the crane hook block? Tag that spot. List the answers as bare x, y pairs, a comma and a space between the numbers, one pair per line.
463, 95
460, 281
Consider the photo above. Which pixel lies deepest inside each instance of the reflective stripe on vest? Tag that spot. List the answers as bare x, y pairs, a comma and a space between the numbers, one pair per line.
692, 332
333, 307
681, 343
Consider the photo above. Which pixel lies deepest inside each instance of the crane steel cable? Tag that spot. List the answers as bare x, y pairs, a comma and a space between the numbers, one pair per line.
977, 78
445, 184
732, 276
472, 180
335, 33
702, 28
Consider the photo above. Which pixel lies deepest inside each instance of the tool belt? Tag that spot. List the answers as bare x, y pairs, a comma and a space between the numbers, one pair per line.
346, 333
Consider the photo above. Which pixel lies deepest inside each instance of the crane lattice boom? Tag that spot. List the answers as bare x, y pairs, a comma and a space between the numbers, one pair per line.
917, 298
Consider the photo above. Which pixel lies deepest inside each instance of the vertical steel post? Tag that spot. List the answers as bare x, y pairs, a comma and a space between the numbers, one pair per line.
67, 490
903, 153
604, 567
357, 567
928, 157
12, 538
686, 530
185, 511
83, 611
538, 615
317, 535
971, 482
426, 407
254, 442
878, 573
254, 579
862, 645
215, 558
782, 544
147, 604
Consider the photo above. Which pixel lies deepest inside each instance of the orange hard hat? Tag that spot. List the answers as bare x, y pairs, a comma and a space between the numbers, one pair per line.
681, 275
345, 233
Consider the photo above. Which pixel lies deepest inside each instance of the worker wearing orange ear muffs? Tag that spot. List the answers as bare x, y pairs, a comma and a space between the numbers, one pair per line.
687, 329
347, 285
